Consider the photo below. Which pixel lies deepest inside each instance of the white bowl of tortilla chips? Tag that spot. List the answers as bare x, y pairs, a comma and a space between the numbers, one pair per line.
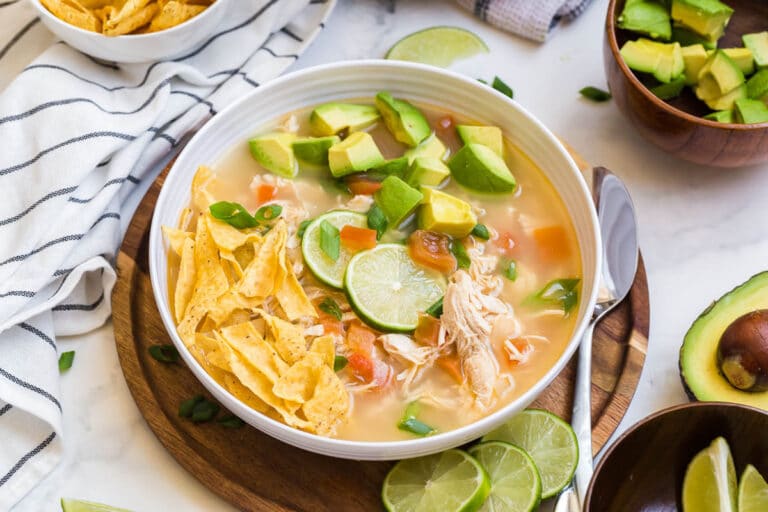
132, 31
337, 82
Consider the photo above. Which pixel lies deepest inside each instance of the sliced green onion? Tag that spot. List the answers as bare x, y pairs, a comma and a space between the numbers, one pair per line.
436, 309
268, 212
562, 293
186, 407
410, 423
377, 220
339, 362
510, 270
303, 228
481, 231
330, 240
230, 421
204, 411
503, 88
65, 360
595, 94
164, 353
328, 305
460, 252
233, 214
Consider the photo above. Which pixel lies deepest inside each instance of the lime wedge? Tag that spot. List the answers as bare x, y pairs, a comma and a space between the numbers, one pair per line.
448, 481
753, 491
710, 480
549, 441
438, 46
388, 290
327, 270
71, 505
515, 481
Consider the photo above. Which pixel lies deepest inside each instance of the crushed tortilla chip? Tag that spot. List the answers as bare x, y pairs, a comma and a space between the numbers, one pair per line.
260, 277
176, 238
74, 13
325, 347
229, 238
174, 13
329, 405
287, 338
122, 24
253, 348
201, 197
298, 382
185, 283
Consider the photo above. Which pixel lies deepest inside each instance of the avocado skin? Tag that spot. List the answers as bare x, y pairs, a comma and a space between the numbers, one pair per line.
692, 342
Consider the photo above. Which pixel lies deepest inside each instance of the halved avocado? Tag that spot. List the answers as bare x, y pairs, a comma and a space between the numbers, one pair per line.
699, 370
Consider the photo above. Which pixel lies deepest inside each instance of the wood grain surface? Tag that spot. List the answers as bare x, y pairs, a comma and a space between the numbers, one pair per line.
255, 472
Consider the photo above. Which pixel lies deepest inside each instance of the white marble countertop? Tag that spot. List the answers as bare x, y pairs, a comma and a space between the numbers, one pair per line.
702, 231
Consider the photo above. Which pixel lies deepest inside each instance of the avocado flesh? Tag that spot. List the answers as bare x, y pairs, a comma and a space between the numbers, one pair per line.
432, 146
273, 151
707, 18
478, 168
397, 199
640, 58
406, 123
356, 153
670, 90
687, 38
663, 60
757, 86
646, 17
694, 58
445, 213
314, 151
750, 111
427, 171
489, 136
331, 118
727, 101
742, 57
718, 78
698, 361
721, 116
758, 44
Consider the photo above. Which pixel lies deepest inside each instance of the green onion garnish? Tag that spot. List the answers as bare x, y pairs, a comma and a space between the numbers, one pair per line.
410, 423
268, 212
595, 94
65, 360
230, 421
164, 353
186, 407
204, 411
436, 309
328, 305
339, 362
562, 293
303, 228
510, 270
481, 231
233, 214
460, 252
330, 240
503, 88
377, 220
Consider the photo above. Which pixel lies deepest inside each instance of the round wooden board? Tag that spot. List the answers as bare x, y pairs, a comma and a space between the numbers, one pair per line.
256, 472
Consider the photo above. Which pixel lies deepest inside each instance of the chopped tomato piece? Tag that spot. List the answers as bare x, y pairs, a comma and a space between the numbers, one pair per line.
505, 242
358, 239
359, 185
427, 330
360, 339
552, 243
265, 192
331, 325
362, 366
451, 366
432, 250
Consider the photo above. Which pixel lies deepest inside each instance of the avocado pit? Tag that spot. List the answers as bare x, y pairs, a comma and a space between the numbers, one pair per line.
742, 352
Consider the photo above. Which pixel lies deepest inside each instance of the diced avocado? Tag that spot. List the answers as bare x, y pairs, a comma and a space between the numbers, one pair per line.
427, 171
719, 76
358, 152
639, 57
331, 118
757, 86
750, 111
646, 17
433, 147
694, 58
721, 116
397, 199
314, 150
670, 90
489, 136
671, 64
742, 57
395, 167
479, 168
707, 18
758, 44
726, 102
273, 151
406, 122
687, 38
699, 368
445, 213
663, 60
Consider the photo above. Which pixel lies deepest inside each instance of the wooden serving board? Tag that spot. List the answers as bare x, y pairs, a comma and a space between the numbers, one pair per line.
256, 472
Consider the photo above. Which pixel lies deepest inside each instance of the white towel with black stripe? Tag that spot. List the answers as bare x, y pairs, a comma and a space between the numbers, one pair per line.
77, 137
531, 19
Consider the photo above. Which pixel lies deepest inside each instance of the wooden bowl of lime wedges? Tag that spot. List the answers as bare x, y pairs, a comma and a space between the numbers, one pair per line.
692, 76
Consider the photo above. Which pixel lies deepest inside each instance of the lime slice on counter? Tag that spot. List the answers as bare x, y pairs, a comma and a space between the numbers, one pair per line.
327, 270
71, 505
388, 290
448, 481
549, 441
438, 46
515, 481
753, 491
710, 480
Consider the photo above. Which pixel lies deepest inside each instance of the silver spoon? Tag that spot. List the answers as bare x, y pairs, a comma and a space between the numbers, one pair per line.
618, 227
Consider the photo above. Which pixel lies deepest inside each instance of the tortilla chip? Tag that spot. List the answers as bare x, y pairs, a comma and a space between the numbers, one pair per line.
133, 15
201, 198
74, 13
297, 383
173, 13
329, 405
176, 238
246, 396
325, 347
287, 338
185, 218
185, 283
293, 299
249, 344
230, 302
263, 275
229, 238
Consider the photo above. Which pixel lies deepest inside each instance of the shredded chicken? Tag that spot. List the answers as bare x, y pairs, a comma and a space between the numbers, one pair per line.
359, 203
407, 351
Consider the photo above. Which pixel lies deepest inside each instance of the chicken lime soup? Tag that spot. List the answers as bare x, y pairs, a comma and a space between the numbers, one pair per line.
374, 270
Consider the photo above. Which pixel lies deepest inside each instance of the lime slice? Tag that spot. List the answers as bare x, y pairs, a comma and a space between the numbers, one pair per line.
515, 481
388, 290
549, 441
448, 481
753, 491
71, 505
322, 266
438, 46
710, 480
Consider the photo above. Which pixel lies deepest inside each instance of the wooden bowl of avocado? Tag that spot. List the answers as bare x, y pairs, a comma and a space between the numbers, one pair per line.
699, 88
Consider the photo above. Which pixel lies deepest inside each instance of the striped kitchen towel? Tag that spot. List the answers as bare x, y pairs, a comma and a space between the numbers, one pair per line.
533, 19
77, 137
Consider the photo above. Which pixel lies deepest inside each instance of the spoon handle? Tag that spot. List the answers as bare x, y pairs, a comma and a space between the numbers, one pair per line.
582, 413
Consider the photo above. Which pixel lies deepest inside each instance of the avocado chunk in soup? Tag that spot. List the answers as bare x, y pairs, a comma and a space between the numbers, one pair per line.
374, 282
